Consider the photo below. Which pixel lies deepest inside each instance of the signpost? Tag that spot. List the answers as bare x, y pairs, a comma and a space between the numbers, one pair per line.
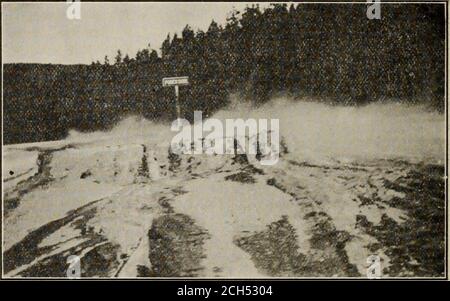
176, 82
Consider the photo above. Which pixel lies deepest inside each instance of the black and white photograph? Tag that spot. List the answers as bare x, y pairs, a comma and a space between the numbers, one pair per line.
224, 140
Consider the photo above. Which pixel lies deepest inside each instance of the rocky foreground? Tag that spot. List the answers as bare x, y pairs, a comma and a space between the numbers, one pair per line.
137, 210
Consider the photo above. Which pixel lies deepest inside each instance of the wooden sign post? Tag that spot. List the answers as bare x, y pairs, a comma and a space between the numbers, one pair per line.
176, 82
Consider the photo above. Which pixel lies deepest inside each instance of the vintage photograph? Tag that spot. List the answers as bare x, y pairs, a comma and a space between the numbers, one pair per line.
213, 140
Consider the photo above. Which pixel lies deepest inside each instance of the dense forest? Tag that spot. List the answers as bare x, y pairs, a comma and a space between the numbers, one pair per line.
326, 52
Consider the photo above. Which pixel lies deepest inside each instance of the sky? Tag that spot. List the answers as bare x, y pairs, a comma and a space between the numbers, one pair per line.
42, 33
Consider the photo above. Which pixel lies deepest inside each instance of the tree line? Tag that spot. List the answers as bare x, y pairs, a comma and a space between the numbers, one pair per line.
326, 52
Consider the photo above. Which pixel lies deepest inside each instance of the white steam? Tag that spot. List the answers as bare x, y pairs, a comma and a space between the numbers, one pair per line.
315, 131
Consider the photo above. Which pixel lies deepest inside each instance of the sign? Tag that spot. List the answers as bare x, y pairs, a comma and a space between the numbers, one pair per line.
175, 81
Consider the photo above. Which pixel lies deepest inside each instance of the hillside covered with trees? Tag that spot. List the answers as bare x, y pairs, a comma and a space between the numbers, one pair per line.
330, 53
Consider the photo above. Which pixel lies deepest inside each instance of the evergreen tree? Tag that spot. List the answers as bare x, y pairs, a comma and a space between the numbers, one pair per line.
126, 60
118, 58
